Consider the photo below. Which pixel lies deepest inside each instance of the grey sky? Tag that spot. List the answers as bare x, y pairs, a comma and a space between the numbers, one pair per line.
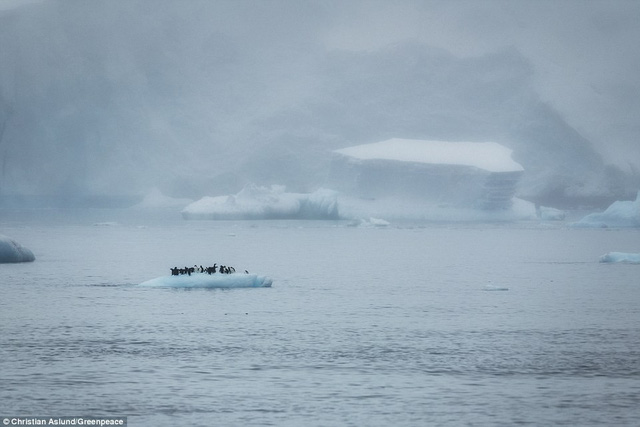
107, 83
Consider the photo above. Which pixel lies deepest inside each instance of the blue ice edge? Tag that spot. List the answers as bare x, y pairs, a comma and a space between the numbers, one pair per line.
203, 280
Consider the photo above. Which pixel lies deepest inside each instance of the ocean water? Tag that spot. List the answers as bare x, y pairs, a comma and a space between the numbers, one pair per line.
408, 325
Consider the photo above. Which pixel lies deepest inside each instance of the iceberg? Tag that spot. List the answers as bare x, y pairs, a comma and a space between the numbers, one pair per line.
369, 223
256, 202
619, 214
475, 175
620, 257
13, 252
203, 280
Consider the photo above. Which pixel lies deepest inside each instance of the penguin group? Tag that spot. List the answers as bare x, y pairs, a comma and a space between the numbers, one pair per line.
222, 269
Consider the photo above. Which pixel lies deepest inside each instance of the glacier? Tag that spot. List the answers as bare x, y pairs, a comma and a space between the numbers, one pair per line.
13, 252
619, 214
258, 202
621, 257
203, 280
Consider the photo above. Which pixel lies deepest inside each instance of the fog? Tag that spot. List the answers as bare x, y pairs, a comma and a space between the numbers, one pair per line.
201, 97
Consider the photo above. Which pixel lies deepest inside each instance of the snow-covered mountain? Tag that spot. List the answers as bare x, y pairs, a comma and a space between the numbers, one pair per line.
120, 97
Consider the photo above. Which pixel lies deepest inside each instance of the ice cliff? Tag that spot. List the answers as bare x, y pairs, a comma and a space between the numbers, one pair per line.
480, 175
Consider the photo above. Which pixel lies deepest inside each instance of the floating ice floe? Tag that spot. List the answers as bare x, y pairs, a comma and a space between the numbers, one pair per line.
204, 280
619, 214
13, 252
621, 257
255, 202
368, 223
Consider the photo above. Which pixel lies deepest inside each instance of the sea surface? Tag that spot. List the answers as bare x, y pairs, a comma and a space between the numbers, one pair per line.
405, 325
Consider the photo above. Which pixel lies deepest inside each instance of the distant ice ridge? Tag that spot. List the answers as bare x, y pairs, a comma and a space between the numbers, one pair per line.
203, 280
13, 252
621, 257
255, 202
619, 214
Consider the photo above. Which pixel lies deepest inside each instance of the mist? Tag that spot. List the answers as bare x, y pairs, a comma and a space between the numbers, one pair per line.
200, 98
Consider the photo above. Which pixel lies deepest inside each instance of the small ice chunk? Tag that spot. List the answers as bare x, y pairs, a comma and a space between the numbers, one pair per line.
621, 257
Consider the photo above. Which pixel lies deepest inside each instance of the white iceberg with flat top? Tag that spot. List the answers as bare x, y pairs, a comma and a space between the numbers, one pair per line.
449, 174
204, 280
255, 202
489, 156
620, 214
13, 252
